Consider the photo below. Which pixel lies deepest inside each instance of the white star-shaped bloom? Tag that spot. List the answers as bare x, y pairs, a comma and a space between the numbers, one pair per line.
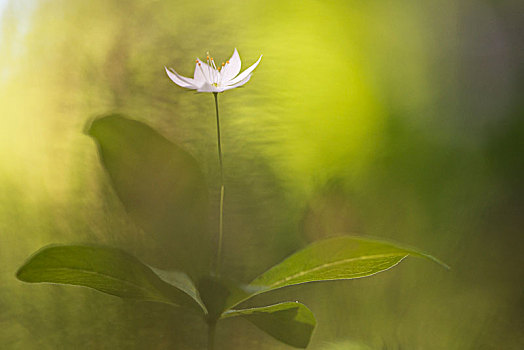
209, 78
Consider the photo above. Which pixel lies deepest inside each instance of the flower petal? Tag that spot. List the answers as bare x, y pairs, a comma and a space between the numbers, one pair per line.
206, 87
231, 69
240, 83
202, 73
245, 73
180, 80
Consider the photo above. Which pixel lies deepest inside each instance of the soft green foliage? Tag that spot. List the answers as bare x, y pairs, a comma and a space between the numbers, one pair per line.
164, 191
397, 119
161, 186
290, 322
333, 259
220, 294
106, 269
115, 272
181, 281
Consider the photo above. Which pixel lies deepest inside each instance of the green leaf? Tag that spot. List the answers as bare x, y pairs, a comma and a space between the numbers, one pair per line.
220, 294
106, 269
290, 322
181, 281
335, 259
162, 189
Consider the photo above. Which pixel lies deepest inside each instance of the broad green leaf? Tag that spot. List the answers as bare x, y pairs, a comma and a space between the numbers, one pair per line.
334, 259
106, 269
290, 322
162, 189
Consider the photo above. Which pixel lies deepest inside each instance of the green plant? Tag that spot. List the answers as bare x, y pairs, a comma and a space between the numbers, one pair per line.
162, 186
113, 271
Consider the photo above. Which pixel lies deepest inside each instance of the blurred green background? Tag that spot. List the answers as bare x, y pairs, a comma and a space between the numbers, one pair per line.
393, 119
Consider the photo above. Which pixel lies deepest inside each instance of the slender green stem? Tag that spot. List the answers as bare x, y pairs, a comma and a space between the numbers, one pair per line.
220, 220
211, 328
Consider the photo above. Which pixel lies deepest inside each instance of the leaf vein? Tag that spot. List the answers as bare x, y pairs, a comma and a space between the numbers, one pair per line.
334, 263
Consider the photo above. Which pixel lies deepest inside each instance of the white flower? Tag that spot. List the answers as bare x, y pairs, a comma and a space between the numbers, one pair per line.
209, 78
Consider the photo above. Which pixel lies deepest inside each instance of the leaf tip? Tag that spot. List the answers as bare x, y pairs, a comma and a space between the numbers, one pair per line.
19, 273
432, 258
92, 125
88, 127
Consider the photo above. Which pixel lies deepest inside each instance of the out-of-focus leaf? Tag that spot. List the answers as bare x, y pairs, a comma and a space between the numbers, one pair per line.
334, 259
162, 189
182, 282
290, 322
220, 294
109, 270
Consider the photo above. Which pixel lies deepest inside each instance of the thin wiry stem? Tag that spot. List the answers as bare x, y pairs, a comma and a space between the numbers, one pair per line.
211, 335
221, 217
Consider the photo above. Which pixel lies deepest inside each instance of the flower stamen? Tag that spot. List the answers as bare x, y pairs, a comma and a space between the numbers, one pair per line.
209, 69
216, 75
